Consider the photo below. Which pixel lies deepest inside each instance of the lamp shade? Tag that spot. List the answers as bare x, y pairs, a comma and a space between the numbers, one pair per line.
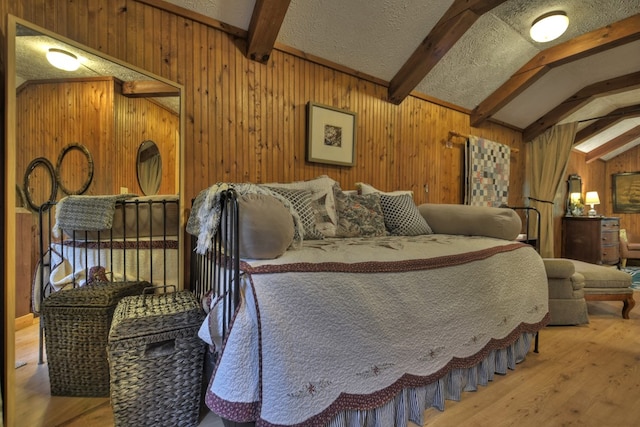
575, 197
592, 198
62, 59
549, 26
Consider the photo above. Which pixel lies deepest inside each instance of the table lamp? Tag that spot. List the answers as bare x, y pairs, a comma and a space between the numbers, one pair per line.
592, 199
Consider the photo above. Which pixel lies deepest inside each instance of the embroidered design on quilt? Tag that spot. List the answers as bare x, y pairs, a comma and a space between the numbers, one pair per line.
474, 339
310, 389
431, 354
375, 370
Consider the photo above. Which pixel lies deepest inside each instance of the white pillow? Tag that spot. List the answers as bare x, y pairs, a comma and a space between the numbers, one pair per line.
368, 189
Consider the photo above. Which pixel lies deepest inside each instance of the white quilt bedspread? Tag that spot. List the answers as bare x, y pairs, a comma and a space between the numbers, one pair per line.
347, 323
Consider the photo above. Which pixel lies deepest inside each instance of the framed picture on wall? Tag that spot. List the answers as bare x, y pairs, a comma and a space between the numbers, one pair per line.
626, 192
331, 135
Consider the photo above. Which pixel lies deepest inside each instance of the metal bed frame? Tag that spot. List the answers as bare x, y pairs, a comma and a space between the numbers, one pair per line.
104, 242
218, 271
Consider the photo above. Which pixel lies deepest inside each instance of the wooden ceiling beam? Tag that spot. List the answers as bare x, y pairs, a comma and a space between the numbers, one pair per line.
608, 37
614, 144
577, 100
450, 28
606, 122
264, 27
148, 88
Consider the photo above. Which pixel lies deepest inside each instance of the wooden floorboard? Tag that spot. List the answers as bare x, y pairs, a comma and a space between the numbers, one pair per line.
585, 375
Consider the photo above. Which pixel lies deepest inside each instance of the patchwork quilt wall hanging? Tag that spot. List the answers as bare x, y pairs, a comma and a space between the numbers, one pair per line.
487, 166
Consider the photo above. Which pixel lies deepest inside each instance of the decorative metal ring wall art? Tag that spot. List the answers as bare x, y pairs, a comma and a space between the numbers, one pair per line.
39, 161
63, 153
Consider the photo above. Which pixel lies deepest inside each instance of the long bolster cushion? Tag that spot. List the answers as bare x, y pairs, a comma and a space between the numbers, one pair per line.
501, 223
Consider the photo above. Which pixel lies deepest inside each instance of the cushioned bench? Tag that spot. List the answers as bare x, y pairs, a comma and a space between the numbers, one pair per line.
606, 284
567, 305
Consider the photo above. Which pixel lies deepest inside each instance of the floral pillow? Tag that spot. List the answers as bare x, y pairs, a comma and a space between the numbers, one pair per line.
359, 215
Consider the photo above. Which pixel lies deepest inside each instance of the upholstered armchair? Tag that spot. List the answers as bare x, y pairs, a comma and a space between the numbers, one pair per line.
628, 250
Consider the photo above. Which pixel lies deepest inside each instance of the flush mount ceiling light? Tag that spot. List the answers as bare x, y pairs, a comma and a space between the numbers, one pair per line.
549, 26
62, 59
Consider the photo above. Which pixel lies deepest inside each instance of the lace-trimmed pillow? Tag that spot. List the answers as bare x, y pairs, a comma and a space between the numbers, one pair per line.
301, 202
402, 217
359, 215
322, 201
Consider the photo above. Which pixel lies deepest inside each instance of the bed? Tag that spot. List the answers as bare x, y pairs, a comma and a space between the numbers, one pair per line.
366, 330
106, 238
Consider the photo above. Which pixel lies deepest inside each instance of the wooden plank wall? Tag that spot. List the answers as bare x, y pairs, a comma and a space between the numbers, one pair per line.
245, 121
50, 115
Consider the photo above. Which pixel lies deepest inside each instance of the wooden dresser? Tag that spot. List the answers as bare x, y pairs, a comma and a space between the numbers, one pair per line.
595, 240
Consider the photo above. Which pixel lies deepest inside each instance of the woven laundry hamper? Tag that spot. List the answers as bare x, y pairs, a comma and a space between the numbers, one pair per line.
76, 325
156, 360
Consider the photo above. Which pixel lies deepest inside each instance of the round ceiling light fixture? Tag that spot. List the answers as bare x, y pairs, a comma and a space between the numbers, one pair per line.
549, 26
62, 59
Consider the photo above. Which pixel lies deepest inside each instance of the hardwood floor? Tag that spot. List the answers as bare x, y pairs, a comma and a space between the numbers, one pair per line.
583, 376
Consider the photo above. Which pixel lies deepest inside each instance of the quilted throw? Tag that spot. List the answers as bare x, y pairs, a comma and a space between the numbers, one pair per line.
487, 166
206, 211
86, 213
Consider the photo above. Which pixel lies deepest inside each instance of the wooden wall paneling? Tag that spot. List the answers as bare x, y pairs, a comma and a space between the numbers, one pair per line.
405, 143
272, 167
244, 141
53, 115
234, 123
261, 144
299, 100
235, 118
129, 27
215, 148
197, 76
224, 173
288, 116
98, 35
285, 114
194, 155
135, 17
424, 151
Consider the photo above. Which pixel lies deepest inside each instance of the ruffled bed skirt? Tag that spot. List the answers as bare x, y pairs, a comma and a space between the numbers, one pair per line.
410, 403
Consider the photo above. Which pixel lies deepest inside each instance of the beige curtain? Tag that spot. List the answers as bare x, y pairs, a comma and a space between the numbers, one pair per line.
549, 155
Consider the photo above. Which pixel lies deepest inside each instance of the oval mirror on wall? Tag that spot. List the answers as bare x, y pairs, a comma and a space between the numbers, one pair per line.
149, 166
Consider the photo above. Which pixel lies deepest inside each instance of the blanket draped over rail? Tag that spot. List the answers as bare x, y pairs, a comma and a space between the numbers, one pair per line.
321, 335
86, 213
487, 172
206, 210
